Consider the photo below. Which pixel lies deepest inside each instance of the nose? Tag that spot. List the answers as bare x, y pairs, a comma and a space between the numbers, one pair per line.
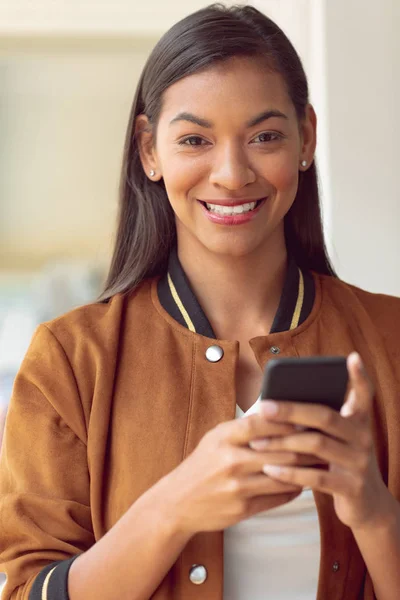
231, 169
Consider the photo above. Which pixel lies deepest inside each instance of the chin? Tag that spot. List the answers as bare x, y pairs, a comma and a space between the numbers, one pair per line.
235, 247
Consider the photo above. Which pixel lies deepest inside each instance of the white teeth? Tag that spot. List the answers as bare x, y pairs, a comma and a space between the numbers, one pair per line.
231, 210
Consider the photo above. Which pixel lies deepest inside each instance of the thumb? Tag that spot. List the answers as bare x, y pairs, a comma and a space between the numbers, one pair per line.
359, 400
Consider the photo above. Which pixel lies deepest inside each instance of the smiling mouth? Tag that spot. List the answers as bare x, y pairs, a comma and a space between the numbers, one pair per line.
238, 209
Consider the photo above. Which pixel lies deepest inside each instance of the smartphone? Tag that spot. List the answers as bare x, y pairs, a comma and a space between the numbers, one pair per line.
316, 379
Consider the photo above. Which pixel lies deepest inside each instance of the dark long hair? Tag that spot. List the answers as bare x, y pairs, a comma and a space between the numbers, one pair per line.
146, 225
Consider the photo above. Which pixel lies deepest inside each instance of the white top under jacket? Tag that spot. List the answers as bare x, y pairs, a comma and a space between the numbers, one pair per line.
275, 554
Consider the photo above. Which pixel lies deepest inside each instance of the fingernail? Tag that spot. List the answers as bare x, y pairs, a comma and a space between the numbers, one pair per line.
272, 469
259, 444
345, 410
358, 362
268, 407
356, 358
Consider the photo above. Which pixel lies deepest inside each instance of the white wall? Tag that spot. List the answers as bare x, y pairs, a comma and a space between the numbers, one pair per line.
363, 95
58, 17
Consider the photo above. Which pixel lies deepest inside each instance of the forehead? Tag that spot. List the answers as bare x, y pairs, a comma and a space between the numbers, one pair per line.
239, 86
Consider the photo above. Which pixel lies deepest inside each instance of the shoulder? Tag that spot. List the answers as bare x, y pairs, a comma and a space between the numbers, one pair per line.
381, 307
381, 312
97, 323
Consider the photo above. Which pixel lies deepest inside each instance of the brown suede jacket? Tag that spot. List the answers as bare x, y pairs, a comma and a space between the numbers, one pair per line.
112, 396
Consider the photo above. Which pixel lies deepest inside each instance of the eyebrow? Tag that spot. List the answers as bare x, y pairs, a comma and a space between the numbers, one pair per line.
264, 116
186, 116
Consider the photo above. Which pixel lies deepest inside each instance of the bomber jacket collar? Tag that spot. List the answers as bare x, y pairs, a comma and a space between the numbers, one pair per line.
178, 299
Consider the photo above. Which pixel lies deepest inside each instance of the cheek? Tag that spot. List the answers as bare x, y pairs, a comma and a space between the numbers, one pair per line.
283, 174
180, 177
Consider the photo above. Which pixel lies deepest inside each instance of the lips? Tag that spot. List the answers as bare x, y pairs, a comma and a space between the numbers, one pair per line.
231, 202
236, 207
232, 212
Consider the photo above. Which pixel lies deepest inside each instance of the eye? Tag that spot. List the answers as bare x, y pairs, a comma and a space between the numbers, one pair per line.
192, 140
267, 137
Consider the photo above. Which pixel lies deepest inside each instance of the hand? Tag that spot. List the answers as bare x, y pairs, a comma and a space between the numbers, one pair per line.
345, 441
222, 483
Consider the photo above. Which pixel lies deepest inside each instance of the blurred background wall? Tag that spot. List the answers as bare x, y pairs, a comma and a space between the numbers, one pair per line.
68, 72
363, 96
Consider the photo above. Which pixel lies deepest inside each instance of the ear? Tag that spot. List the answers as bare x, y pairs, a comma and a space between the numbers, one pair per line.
146, 147
308, 136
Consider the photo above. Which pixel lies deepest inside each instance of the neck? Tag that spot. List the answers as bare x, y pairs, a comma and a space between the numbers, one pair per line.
226, 286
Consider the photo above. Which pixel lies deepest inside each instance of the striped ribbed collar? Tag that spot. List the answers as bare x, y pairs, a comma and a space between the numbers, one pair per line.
177, 298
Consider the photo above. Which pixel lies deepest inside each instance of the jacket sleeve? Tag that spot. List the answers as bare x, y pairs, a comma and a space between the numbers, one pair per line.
45, 516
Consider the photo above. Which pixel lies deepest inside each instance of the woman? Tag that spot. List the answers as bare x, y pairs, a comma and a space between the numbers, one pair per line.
125, 472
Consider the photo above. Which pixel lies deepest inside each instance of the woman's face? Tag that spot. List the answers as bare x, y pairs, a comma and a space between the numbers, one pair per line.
229, 148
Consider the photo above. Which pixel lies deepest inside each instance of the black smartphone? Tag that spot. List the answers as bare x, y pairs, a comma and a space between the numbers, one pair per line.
315, 379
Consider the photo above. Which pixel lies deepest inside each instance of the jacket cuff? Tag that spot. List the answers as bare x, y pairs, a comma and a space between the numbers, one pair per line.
52, 582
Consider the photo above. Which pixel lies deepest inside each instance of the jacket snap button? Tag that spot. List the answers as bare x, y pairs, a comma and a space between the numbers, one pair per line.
335, 567
198, 574
275, 349
214, 353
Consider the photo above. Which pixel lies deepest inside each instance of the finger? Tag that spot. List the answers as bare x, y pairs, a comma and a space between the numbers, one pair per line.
263, 445
361, 393
260, 485
248, 461
328, 482
316, 416
323, 447
242, 431
257, 504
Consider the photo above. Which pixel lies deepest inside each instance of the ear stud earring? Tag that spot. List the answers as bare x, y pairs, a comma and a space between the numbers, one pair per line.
303, 163
152, 173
